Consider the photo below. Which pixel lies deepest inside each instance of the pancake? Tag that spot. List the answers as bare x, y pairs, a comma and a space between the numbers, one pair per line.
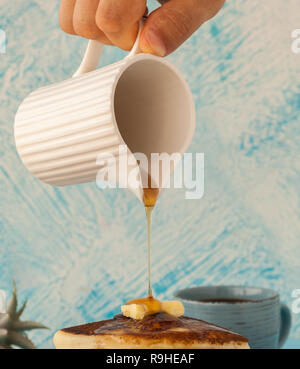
157, 331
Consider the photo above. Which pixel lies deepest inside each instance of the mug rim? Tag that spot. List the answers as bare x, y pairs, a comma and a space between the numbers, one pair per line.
274, 295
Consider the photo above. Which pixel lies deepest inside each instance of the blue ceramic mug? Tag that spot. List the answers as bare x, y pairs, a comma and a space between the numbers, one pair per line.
255, 313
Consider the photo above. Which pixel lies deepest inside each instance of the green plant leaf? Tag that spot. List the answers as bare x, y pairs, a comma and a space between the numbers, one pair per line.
5, 347
26, 326
17, 339
4, 320
3, 335
12, 330
12, 307
20, 312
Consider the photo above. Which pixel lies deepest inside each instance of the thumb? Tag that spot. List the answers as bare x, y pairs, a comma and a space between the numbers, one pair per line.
175, 21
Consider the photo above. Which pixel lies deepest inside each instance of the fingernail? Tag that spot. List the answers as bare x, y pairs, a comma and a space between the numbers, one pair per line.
153, 44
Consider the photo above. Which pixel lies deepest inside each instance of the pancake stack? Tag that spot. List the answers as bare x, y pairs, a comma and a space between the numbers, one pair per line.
154, 331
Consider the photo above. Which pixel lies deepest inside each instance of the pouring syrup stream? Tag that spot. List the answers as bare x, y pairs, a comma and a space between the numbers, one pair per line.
150, 198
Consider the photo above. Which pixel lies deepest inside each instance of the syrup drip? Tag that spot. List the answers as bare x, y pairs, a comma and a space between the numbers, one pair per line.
153, 305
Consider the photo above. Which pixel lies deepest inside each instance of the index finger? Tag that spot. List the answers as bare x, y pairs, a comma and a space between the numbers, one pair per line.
66, 12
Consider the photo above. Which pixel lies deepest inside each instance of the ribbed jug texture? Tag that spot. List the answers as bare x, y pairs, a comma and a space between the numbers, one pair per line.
61, 129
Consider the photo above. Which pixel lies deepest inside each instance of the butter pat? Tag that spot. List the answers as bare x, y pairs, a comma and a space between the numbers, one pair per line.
174, 308
139, 311
134, 311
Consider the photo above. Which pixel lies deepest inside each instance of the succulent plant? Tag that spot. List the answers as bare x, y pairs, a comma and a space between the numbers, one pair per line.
12, 329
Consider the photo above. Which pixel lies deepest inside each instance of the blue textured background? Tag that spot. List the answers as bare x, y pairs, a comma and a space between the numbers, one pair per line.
77, 253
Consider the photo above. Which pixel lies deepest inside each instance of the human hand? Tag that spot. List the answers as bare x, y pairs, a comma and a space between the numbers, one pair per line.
115, 22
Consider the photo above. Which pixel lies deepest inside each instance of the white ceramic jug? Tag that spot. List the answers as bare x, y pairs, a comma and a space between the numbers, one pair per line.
141, 101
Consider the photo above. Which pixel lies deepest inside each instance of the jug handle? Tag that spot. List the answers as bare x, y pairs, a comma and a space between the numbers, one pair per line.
94, 50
